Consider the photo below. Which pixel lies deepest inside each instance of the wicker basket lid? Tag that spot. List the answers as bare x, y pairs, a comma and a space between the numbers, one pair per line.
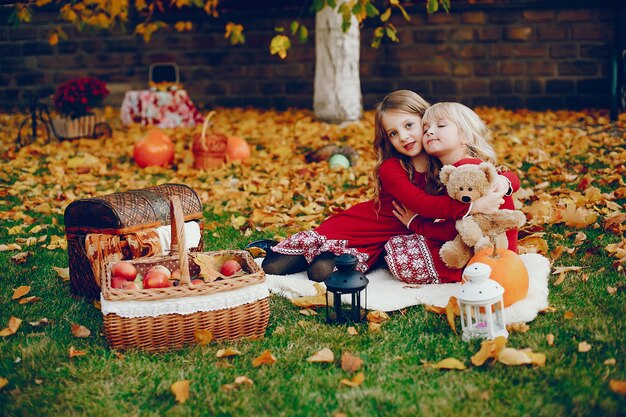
130, 209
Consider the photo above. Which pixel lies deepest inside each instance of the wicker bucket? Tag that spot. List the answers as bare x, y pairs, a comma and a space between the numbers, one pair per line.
173, 329
209, 149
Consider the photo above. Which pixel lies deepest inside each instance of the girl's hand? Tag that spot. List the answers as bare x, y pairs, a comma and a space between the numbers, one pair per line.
487, 204
501, 186
403, 214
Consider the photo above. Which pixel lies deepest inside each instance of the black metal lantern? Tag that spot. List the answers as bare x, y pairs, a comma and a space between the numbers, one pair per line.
346, 280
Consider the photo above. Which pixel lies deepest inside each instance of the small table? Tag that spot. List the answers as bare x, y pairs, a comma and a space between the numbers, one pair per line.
164, 109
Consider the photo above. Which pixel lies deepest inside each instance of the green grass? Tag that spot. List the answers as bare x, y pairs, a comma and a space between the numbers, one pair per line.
44, 381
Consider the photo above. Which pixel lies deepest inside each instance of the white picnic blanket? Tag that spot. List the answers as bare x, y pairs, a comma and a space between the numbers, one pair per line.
386, 293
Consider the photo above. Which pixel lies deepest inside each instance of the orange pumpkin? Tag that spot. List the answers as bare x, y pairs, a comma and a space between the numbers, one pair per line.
237, 149
155, 149
508, 269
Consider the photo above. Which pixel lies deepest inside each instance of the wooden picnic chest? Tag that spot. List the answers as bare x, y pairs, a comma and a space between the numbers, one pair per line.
124, 215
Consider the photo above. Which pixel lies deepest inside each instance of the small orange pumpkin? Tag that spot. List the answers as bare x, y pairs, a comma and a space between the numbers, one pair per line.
507, 269
155, 149
237, 149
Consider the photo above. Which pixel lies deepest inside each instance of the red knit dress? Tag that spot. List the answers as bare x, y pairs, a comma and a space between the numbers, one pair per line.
364, 229
406, 254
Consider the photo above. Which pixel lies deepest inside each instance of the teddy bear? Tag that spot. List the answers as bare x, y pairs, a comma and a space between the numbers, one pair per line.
467, 183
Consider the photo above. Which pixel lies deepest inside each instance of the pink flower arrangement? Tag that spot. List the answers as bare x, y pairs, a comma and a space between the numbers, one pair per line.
77, 97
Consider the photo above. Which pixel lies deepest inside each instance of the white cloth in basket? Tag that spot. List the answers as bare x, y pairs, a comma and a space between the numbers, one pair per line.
192, 236
186, 305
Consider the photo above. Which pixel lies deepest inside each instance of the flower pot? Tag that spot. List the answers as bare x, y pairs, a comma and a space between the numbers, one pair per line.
79, 127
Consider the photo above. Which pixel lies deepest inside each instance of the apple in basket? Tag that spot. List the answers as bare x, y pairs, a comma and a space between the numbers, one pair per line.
156, 279
162, 269
230, 267
124, 269
119, 282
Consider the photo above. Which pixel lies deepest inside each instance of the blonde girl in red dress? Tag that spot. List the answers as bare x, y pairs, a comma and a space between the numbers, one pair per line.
455, 135
401, 174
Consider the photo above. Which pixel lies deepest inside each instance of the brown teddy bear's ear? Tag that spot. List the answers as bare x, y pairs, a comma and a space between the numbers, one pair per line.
444, 174
489, 170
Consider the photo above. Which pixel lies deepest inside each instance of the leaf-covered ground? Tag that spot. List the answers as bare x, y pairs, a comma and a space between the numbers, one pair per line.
572, 166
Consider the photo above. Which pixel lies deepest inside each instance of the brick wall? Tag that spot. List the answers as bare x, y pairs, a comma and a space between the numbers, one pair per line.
513, 57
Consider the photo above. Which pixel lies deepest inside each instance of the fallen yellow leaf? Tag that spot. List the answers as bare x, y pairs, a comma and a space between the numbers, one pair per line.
31, 299
536, 243
435, 309
13, 325
550, 339
325, 355
618, 387
3, 382
355, 381
350, 363
203, 336
449, 363
266, 358
584, 347
568, 315
519, 327
228, 352
20, 292
10, 246
536, 358
256, 252
80, 331
374, 327
180, 389
240, 380
352, 331
377, 317
74, 352
513, 357
610, 361
562, 269
63, 273
310, 301
451, 308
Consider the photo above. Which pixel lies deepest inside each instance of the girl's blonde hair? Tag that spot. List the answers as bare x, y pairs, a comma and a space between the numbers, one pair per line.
399, 101
470, 125
476, 133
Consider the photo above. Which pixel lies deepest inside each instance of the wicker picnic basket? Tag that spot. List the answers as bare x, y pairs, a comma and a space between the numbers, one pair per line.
209, 148
239, 304
123, 216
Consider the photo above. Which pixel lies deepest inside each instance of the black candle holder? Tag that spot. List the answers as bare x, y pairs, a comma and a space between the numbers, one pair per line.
346, 280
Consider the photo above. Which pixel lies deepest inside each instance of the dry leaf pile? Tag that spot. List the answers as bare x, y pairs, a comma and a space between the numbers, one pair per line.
278, 189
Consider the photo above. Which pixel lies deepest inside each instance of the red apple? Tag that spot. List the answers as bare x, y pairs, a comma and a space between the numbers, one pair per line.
162, 269
131, 286
230, 267
156, 279
175, 274
197, 281
119, 282
124, 269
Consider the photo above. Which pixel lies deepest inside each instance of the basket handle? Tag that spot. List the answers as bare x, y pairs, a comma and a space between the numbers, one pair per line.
178, 246
204, 128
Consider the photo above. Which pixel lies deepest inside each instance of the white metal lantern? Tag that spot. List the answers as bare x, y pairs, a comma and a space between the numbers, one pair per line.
481, 304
